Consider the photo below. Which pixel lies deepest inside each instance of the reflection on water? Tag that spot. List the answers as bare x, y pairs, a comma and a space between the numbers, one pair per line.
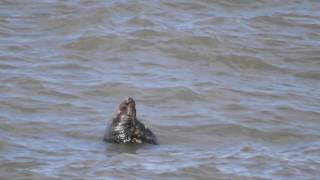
231, 88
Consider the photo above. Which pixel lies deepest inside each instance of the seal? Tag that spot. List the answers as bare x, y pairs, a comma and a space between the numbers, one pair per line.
125, 128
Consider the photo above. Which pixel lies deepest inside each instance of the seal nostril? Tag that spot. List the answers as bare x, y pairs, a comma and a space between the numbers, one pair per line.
129, 100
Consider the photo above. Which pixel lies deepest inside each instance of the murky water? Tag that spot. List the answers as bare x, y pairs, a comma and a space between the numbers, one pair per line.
231, 88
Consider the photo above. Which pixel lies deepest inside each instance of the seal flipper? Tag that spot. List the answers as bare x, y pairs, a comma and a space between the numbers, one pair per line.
149, 137
143, 134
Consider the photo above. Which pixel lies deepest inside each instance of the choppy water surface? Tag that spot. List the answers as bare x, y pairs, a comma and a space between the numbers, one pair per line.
231, 88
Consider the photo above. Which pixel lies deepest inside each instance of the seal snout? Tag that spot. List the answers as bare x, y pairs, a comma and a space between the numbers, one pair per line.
129, 100
131, 107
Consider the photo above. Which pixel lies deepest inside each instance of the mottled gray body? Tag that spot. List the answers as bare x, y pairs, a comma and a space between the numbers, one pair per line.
126, 128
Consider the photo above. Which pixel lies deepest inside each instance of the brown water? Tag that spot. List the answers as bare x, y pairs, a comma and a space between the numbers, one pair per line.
231, 88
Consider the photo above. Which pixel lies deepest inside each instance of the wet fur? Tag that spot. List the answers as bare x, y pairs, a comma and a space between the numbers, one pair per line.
126, 128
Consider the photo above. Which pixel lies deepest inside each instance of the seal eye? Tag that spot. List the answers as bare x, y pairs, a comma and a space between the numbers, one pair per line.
122, 109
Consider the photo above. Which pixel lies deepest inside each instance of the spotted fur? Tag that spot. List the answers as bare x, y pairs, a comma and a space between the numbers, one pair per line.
126, 128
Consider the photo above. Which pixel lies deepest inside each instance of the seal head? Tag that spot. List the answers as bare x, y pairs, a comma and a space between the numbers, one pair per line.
126, 128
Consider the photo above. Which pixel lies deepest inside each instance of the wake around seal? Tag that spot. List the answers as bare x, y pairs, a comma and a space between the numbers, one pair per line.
126, 128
